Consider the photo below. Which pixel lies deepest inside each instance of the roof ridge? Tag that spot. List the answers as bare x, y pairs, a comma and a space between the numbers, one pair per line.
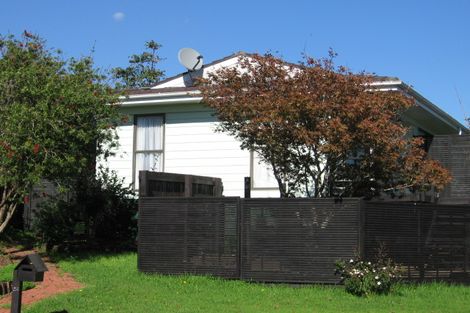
235, 54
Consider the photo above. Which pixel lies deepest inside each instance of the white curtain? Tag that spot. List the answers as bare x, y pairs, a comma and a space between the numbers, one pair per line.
149, 133
149, 138
148, 161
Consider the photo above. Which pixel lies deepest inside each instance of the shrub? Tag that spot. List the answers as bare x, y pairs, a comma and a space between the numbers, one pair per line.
56, 221
102, 210
111, 209
363, 278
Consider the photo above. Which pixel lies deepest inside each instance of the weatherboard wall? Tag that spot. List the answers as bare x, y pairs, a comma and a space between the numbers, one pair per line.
191, 146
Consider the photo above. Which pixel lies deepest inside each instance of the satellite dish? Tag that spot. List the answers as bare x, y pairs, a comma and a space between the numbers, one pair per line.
191, 59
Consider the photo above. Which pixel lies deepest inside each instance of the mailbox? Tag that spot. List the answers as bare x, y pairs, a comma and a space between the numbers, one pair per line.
30, 268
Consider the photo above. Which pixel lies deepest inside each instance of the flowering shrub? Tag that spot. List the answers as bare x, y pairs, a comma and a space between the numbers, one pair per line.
363, 278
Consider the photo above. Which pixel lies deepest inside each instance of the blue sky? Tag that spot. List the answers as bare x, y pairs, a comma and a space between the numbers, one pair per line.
425, 43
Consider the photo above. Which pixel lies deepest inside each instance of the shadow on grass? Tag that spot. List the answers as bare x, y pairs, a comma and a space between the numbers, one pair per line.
85, 255
14, 237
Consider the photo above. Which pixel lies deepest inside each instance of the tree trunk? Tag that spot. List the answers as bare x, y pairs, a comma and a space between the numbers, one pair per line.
8, 211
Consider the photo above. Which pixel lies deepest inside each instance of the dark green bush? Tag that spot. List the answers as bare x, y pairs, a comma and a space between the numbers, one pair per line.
56, 221
102, 211
112, 210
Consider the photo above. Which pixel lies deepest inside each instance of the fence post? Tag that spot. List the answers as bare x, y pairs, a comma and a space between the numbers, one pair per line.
240, 209
142, 179
466, 241
362, 227
248, 187
188, 186
420, 246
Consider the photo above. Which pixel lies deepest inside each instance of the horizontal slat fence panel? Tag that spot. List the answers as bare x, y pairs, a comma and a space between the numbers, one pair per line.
189, 235
297, 240
431, 241
453, 152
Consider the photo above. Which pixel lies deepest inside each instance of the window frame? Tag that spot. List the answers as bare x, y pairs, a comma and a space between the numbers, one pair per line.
134, 145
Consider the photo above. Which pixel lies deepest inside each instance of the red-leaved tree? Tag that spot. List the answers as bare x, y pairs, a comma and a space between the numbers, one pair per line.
323, 129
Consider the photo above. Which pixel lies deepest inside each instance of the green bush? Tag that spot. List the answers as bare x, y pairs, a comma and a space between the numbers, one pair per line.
363, 278
101, 211
56, 222
111, 210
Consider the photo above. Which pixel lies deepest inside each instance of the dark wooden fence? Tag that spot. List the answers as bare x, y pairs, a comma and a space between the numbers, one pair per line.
159, 184
189, 235
431, 241
453, 152
276, 240
299, 240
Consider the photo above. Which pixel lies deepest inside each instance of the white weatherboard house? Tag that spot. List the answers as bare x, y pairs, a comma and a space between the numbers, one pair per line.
171, 130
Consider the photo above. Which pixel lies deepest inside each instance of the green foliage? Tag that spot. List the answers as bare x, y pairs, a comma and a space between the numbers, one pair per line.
56, 222
363, 278
142, 70
103, 211
56, 118
111, 209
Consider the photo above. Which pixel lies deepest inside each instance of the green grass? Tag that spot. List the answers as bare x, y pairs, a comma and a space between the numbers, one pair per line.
114, 285
6, 272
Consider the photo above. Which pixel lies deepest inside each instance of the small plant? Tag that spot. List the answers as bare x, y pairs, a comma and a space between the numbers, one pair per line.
363, 278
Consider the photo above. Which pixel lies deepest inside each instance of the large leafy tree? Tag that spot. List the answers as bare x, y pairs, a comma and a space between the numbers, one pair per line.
56, 117
324, 130
142, 70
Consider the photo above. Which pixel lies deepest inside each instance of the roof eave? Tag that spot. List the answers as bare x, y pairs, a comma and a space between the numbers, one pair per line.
156, 97
435, 110
161, 98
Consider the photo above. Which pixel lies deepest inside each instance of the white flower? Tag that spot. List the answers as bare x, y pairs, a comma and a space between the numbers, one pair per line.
351, 261
368, 263
373, 271
376, 277
384, 268
379, 283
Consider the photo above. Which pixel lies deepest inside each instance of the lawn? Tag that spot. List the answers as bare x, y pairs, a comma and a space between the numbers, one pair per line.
114, 285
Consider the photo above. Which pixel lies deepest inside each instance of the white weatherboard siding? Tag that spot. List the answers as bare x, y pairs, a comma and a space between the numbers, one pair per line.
122, 162
191, 146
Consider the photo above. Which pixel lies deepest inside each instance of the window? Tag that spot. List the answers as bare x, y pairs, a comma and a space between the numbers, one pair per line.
262, 174
148, 145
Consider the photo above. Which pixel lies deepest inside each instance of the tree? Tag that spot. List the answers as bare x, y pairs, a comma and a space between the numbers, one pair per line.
142, 70
57, 116
324, 130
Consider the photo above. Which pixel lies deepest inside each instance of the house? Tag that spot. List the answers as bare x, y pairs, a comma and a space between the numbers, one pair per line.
169, 129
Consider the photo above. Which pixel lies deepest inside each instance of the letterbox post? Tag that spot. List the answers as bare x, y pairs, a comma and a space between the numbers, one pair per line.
17, 290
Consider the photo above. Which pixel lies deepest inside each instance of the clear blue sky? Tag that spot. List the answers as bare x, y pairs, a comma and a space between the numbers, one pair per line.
425, 43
